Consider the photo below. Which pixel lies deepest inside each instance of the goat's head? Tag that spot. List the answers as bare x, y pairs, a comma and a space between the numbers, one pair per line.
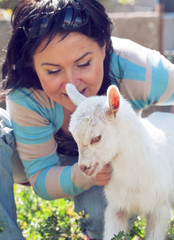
92, 127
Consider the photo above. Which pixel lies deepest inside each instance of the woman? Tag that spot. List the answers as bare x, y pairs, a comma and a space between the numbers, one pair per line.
55, 42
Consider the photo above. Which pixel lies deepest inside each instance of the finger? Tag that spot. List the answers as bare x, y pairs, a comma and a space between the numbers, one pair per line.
102, 182
105, 172
102, 178
106, 168
104, 175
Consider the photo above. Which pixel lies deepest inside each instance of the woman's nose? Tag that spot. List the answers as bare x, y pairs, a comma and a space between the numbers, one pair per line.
72, 79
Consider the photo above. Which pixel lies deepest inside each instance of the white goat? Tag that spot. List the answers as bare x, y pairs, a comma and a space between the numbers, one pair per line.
141, 152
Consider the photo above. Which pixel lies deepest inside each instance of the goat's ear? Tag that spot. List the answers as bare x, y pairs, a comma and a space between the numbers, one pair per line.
74, 95
113, 98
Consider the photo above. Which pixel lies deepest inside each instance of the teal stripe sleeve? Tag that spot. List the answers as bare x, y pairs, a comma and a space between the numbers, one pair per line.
138, 104
27, 135
34, 166
128, 69
159, 84
24, 98
67, 184
159, 80
132, 71
40, 185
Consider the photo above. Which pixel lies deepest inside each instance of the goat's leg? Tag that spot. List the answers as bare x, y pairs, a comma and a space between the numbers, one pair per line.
157, 224
115, 222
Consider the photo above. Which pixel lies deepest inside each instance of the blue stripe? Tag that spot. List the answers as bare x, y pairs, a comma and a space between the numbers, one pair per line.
24, 98
124, 69
19, 94
66, 183
159, 81
133, 71
159, 84
40, 185
34, 166
138, 104
114, 67
33, 135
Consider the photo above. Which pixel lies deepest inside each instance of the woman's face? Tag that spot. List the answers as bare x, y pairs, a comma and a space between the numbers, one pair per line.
76, 59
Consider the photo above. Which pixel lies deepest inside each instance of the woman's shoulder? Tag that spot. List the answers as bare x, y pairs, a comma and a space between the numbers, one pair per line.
34, 100
35, 103
23, 96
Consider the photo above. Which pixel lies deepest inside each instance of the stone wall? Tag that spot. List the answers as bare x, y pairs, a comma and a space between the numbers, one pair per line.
4, 36
141, 27
4, 32
168, 35
131, 6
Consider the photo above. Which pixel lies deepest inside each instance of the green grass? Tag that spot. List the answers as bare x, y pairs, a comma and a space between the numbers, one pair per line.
41, 219
56, 220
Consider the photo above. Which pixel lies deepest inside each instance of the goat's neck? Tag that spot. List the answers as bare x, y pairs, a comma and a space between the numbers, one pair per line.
134, 141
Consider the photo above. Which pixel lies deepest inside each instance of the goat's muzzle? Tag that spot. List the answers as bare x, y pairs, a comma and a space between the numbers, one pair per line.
89, 170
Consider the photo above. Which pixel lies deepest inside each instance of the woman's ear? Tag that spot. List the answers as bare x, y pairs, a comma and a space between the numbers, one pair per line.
113, 99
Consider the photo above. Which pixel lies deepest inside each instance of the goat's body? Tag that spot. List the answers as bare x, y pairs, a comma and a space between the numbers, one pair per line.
141, 152
143, 178
144, 160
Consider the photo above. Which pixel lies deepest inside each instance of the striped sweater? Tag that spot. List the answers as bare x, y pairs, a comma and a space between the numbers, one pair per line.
145, 78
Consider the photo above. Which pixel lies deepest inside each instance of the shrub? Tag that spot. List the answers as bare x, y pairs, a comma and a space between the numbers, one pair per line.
41, 220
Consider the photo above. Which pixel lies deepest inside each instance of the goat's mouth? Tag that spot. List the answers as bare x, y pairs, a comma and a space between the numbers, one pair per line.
91, 170
83, 91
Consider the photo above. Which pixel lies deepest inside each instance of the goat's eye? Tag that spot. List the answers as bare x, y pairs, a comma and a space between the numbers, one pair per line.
95, 139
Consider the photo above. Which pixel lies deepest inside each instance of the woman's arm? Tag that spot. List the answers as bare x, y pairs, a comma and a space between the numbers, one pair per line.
59, 182
35, 120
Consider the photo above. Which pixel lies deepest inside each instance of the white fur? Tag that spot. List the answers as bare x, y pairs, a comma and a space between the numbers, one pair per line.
141, 152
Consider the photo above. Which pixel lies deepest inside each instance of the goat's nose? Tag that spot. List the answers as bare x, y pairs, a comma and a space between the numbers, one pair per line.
83, 167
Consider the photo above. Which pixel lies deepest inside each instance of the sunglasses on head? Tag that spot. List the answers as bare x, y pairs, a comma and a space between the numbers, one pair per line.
69, 17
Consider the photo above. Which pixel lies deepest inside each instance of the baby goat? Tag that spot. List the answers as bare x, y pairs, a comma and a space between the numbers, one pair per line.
141, 152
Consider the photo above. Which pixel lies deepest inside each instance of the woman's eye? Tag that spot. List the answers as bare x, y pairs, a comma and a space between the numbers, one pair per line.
54, 71
84, 64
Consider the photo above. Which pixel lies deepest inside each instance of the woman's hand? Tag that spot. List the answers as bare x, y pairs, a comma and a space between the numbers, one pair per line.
103, 177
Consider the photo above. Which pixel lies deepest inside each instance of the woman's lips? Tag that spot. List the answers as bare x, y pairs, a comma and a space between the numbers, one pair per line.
82, 92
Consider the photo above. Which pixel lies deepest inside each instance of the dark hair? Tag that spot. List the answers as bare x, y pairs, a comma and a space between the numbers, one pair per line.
35, 20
